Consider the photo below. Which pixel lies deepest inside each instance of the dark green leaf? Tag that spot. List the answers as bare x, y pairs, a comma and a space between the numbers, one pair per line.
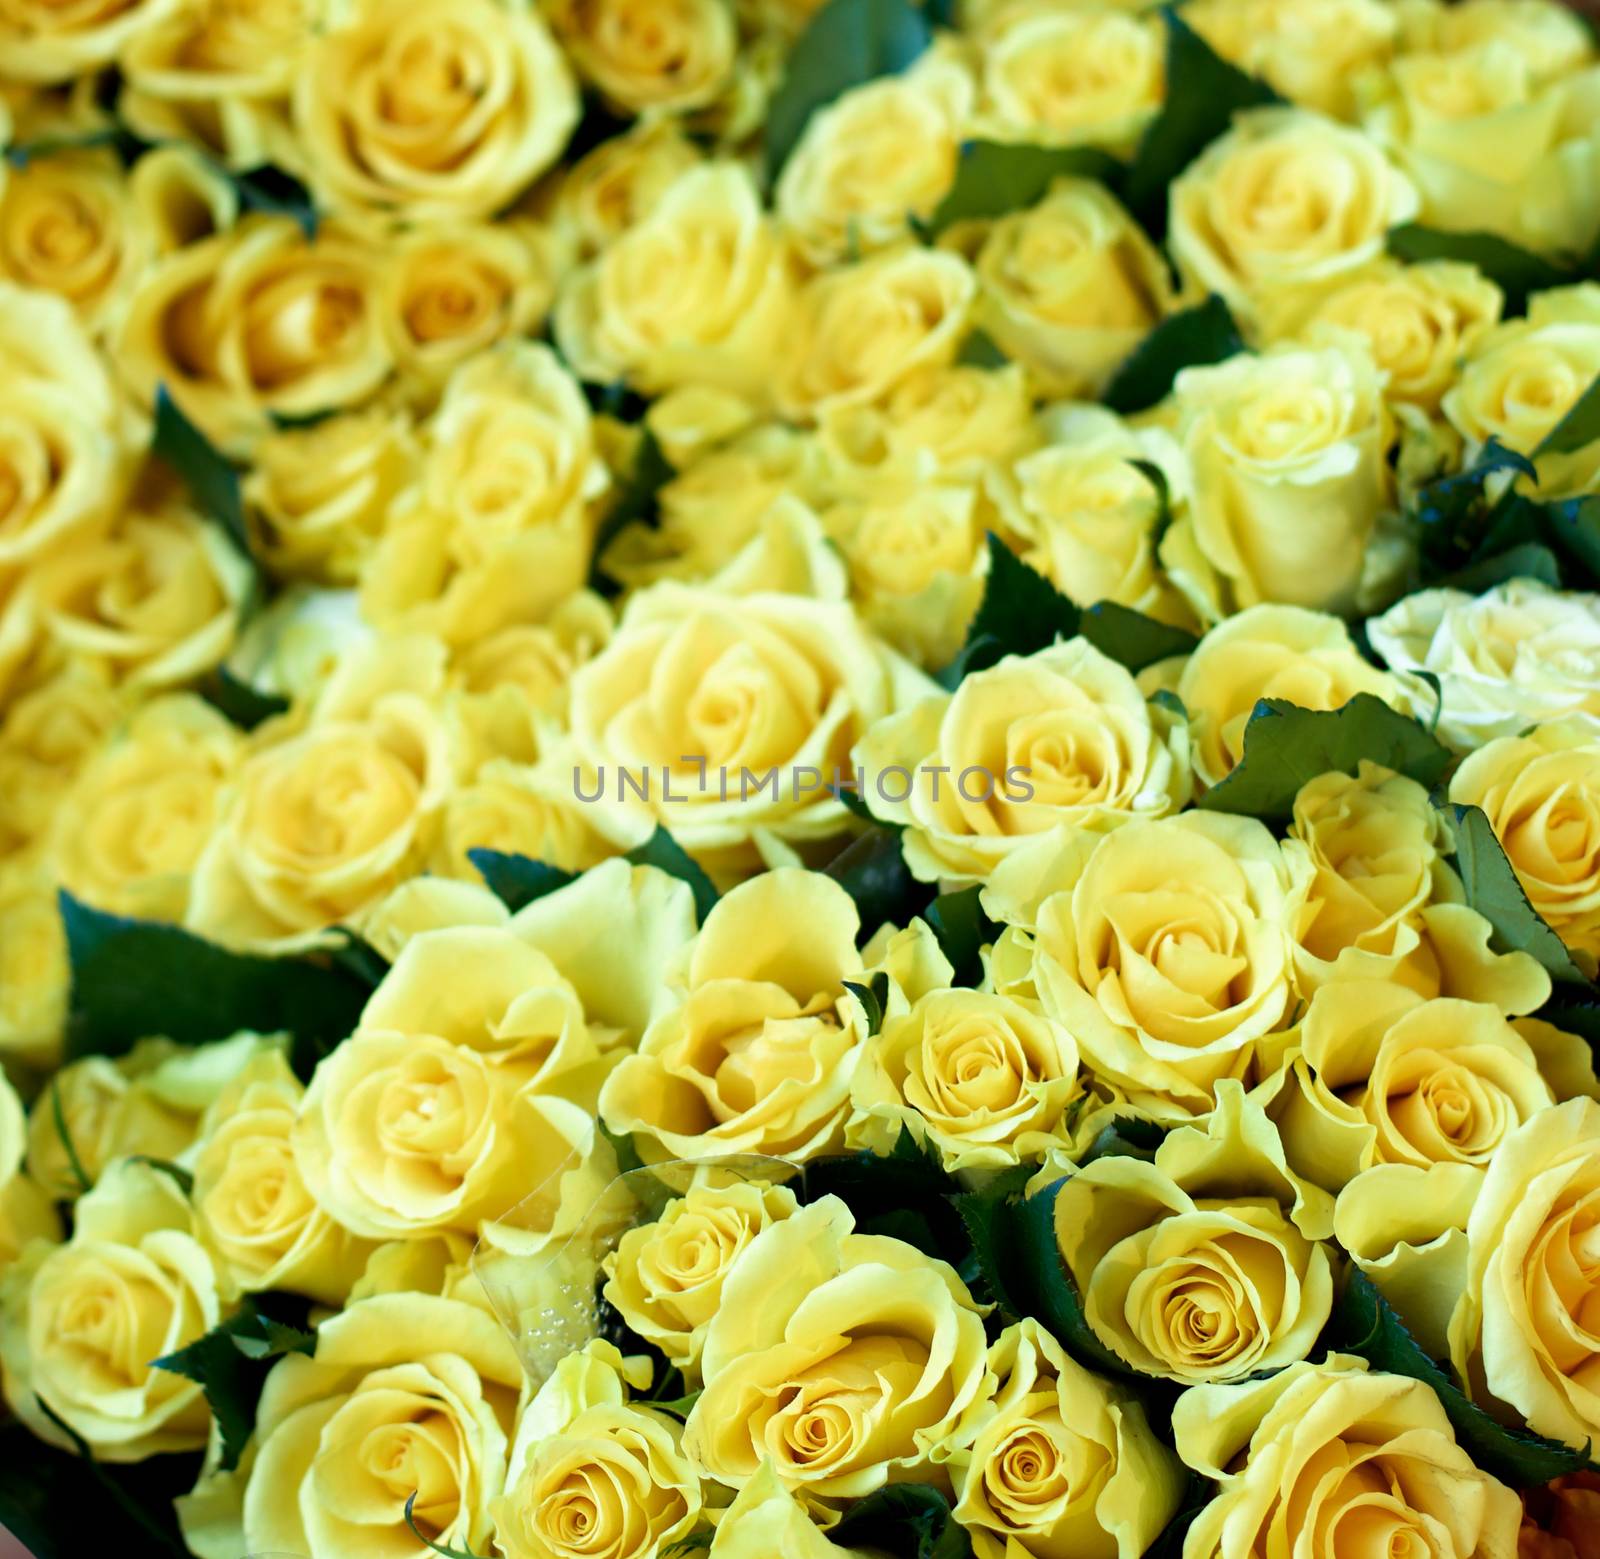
855, 803
58, 1119
1021, 612
1573, 525
910, 1520
126, 145
1574, 1017
996, 177
1157, 478
1126, 1137
273, 192
636, 502
873, 996
904, 1192
428, 1542
1529, 561
240, 702
695, 1542
1580, 426
664, 852
873, 872
212, 482
1131, 638
1516, 271
958, 921
1204, 92
846, 43
979, 351
1365, 1324
1192, 338
1493, 890
136, 978
1286, 746
1169, 1543
516, 880
230, 1364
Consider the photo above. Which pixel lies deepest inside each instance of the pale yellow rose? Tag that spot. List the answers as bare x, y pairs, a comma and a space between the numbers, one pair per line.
252, 1209
1405, 1485
843, 1358
519, 809
407, 1394
1288, 473
862, 329
665, 1277
1524, 376
1285, 204
1550, 37
700, 290
257, 322
1067, 75
619, 183
1541, 793
41, 44
733, 713
648, 56
879, 156
1311, 52
1059, 741
34, 973
756, 1052
1069, 287
1520, 654
1056, 1460
1489, 146
766, 1519
1269, 651
292, 646
1167, 956
319, 497
85, 1320
434, 111
1522, 1331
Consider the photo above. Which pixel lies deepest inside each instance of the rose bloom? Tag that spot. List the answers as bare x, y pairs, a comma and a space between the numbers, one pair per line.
1520, 654
1562, 1520
840, 1359
618, 183
1269, 651
1061, 740
648, 56
34, 973
1285, 202
1552, 39
766, 1519
41, 45
1403, 1483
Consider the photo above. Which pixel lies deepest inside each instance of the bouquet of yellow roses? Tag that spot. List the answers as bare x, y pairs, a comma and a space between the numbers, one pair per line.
800, 779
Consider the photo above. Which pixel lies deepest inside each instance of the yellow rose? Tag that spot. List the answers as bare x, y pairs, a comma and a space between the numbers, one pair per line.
1204, 1265
1061, 740
1069, 75
734, 713
294, 644
1418, 321
1057, 1460
34, 973
432, 112
864, 328
255, 323
699, 291
845, 1359
766, 1519
1405, 1485
182, 197
319, 497
449, 292
1288, 473
252, 1209
1268, 651
619, 183
665, 1277
881, 154
1522, 1326
40, 44
1069, 287
1167, 957
1552, 39
646, 56
407, 1394
1541, 793
133, 826
1520, 654
1311, 52
1524, 376
522, 809
323, 820
1490, 147
85, 1319
591, 1472
1285, 204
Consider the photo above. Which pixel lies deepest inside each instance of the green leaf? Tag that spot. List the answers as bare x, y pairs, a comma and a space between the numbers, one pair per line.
273, 192
1516, 271
1493, 890
1191, 338
1365, 1324
911, 1520
962, 929
872, 870
1157, 478
979, 351
846, 43
664, 852
123, 142
873, 996
1573, 525
58, 1119
237, 700
183, 1178
1580, 426
428, 1542
516, 880
212, 482
1204, 92
695, 1542
1021, 611
1127, 1136
1131, 638
1529, 561
997, 177
637, 501
679, 1407
904, 1192
136, 978
230, 1364
1286, 746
